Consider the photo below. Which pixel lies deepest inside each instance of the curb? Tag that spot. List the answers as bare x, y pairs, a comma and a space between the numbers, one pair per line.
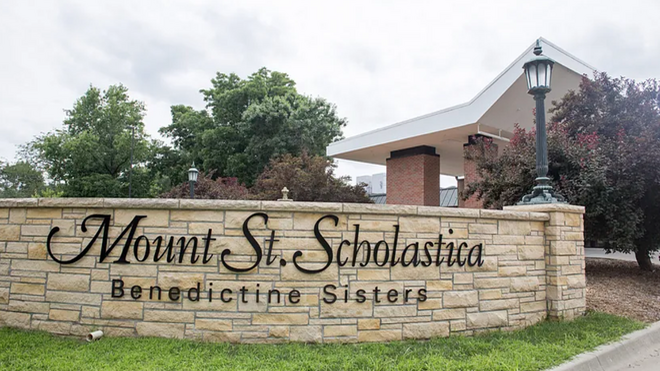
615, 355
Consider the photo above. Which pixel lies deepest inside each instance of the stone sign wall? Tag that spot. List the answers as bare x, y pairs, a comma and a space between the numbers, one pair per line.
251, 271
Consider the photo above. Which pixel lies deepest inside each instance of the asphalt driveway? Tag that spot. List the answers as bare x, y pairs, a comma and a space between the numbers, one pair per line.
600, 253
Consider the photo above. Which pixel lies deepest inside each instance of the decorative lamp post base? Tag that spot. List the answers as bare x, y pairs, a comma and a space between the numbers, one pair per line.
542, 194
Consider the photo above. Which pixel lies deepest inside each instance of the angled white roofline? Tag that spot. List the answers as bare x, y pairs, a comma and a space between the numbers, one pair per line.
461, 114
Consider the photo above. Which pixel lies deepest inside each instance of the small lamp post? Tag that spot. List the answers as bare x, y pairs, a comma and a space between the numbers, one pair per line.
192, 179
130, 169
538, 72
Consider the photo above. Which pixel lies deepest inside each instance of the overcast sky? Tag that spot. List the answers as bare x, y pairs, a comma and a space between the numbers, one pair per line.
380, 62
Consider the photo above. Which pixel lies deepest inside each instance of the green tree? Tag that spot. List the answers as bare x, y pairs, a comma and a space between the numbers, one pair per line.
90, 155
20, 180
604, 153
169, 168
248, 122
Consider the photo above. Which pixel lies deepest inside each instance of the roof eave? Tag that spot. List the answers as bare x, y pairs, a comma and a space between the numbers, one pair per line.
459, 115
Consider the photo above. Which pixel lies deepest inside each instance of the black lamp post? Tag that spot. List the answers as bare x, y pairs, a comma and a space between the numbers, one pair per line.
538, 72
130, 169
192, 179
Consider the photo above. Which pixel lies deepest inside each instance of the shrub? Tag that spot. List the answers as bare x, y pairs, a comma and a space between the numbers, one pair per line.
308, 178
208, 188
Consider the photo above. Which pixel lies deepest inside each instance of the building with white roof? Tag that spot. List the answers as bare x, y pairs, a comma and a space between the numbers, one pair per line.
418, 150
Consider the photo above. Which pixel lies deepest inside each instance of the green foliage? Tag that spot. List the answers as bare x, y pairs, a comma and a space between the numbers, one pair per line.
248, 122
308, 178
90, 155
20, 180
245, 124
604, 153
169, 168
536, 348
48, 193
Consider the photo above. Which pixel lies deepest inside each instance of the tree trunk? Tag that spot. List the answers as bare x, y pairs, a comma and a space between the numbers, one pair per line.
643, 259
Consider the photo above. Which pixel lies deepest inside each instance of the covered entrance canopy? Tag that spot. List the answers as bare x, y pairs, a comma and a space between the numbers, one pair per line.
491, 113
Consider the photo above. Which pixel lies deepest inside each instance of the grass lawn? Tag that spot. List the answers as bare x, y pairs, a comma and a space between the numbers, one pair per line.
535, 348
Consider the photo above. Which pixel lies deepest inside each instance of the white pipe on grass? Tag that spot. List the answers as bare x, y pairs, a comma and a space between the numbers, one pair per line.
93, 336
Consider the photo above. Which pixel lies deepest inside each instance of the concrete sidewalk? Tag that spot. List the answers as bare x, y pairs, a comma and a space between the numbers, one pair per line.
592, 252
638, 351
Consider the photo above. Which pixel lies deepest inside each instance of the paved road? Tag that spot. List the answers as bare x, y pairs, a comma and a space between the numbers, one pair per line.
600, 253
649, 360
639, 351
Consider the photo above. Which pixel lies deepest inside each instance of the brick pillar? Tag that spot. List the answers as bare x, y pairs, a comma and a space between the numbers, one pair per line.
564, 259
413, 177
460, 185
470, 167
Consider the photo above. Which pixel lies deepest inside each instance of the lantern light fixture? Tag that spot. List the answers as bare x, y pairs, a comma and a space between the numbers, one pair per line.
193, 173
538, 72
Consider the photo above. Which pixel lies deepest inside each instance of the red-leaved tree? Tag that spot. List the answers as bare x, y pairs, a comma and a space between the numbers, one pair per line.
308, 178
604, 153
209, 188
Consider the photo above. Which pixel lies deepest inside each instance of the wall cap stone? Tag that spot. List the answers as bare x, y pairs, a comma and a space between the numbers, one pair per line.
533, 212
141, 203
330, 207
66, 202
547, 208
219, 204
380, 209
19, 202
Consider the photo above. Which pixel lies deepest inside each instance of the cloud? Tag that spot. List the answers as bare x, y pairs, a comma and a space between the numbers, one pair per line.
148, 57
380, 61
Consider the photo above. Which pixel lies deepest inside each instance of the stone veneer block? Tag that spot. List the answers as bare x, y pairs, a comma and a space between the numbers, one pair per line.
425, 330
532, 268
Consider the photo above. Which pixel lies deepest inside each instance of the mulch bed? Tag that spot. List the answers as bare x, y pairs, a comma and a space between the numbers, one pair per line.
621, 288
